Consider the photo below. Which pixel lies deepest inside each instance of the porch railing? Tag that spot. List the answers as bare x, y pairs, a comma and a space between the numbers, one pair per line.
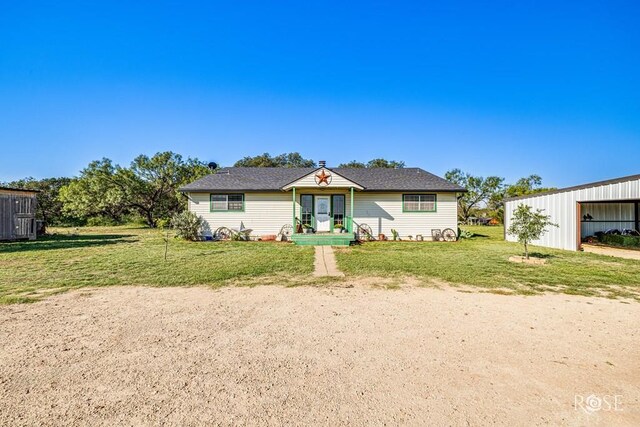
349, 224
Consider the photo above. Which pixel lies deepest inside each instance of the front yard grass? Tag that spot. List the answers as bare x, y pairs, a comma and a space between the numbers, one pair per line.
483, 261
103, 256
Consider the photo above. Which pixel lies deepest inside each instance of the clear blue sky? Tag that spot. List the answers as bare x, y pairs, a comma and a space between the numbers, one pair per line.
490, 87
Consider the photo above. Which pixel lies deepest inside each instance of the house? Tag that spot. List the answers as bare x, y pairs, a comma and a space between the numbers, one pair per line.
411, 201
583, 210
17, 214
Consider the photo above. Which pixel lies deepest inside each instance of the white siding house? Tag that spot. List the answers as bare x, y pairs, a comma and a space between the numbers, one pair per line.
410, 201
583, 210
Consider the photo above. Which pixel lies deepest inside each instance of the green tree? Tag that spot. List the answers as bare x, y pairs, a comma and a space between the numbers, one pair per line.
528, 185
374, 163
49, 208
528, 225
95, 193
149, 187
285, 160
480, 190
383, 163
353, 164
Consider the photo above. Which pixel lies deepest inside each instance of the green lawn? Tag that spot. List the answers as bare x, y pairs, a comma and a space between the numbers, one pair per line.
104, 256
483, 261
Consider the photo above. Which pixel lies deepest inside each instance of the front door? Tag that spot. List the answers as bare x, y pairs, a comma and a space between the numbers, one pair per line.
323, 213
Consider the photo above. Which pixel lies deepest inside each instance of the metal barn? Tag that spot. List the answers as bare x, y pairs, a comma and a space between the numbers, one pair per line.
583, 210
17, 214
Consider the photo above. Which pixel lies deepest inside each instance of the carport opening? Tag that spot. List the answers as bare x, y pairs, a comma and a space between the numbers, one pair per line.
619, 218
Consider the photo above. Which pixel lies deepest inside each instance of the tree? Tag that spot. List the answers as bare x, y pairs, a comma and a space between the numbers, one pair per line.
49, 208
479, 190
383, 163
374, 163
150, 184
528, 225
285, 160
528, 185
94, 193
353, 164
149, 187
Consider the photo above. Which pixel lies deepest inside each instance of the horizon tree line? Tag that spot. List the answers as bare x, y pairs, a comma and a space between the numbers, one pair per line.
147, 190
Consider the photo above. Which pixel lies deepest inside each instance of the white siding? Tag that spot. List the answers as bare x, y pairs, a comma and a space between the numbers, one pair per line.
562, 207
266, 213
383, 211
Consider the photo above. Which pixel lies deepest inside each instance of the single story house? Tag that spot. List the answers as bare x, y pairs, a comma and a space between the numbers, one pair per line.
583, 210
17, 214
410, 201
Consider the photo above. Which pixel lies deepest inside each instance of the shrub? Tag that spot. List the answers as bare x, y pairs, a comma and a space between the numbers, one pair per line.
464, 234
188, 225
619, 240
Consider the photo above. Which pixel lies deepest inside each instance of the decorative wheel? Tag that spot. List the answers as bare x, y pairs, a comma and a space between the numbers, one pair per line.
286, 230
222, 233
448, 235
364, 232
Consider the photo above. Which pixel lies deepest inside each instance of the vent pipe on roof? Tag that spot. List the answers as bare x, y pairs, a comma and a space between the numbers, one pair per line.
322, 163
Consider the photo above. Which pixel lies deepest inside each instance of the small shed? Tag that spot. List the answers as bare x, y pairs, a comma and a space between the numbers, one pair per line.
17, 214
583, 210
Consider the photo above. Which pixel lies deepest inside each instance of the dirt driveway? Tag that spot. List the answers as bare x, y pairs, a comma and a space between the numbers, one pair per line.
329, 356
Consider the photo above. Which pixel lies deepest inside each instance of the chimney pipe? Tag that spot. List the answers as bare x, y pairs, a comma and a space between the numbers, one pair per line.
322, 163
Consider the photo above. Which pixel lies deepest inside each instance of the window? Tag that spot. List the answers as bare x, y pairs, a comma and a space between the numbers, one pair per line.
227, 202
338, 209
306, 202
419, 202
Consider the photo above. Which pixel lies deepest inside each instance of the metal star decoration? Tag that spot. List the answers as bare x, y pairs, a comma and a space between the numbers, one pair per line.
323, 177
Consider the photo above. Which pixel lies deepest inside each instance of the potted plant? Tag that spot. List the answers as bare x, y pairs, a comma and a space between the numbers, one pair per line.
338, 228
307, 228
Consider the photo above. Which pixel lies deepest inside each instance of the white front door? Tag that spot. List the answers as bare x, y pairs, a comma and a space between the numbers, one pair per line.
323, 214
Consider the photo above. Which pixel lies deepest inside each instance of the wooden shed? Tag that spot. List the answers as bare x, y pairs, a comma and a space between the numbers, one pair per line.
17, 214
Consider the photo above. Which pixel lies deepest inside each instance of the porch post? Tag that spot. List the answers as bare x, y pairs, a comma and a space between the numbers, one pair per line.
293, 221
351, 220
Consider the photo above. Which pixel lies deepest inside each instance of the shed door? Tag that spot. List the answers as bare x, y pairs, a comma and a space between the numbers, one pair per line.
6, 218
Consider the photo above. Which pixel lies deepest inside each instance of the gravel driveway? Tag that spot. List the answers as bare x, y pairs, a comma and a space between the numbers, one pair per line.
331, 356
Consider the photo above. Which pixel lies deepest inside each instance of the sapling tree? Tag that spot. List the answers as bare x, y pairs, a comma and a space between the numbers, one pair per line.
529, 225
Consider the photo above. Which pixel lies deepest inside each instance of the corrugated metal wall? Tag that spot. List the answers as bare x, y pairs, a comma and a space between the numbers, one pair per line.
606, 216
562, 207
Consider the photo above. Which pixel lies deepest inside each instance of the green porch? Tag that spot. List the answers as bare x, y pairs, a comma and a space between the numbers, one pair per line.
324, 239
338, 232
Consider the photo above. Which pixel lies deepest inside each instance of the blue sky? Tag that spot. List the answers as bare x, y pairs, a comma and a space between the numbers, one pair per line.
494, 88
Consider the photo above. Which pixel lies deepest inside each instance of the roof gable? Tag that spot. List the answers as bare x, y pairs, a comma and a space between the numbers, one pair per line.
323, 178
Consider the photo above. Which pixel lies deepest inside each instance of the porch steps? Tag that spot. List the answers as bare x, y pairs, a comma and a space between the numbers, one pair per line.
324, 239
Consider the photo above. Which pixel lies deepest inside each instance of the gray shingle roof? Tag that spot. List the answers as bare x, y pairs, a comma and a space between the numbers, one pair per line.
273, 179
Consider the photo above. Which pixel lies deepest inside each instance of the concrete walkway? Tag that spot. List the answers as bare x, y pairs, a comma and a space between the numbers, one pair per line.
325, 263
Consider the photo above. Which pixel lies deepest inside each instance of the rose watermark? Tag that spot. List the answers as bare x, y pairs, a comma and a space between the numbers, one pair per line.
592, 403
